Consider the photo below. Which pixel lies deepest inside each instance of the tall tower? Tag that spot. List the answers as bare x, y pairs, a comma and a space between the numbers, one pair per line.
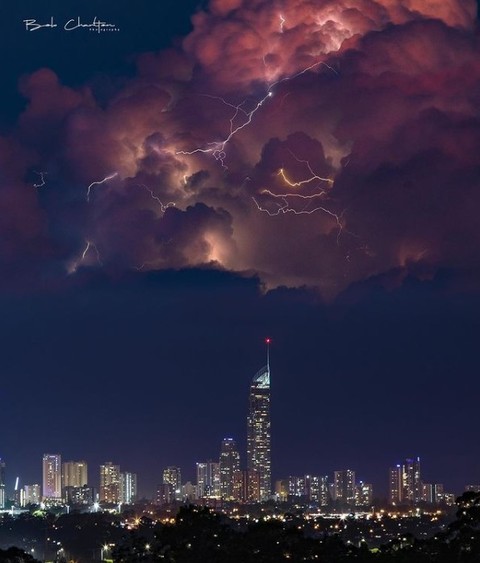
110, 483
2, 483
229, 466
52, 477
75, 473
258, 433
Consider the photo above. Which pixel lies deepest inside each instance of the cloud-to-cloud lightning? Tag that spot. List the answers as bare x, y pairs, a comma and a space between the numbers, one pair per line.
384, 144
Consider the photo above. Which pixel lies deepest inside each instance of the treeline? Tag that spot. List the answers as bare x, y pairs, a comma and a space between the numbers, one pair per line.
202, 536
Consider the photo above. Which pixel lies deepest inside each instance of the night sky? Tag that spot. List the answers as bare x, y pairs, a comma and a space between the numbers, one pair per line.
304, 170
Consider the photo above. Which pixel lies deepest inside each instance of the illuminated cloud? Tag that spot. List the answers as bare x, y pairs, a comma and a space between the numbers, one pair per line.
314, 143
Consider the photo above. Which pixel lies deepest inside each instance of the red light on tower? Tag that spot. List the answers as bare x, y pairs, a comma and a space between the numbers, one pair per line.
267, 340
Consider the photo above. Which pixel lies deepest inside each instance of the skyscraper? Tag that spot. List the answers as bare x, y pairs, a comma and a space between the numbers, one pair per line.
172, 476
229, 466
52, 477
258, 432
344, 482
128, 487
2, 483
208, 479
395, 485
74, 473
405, 484
110, 483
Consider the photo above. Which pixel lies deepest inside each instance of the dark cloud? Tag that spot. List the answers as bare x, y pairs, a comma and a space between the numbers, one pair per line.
317, 145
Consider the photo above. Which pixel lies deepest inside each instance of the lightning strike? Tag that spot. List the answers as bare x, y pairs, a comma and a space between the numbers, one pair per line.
314, 176
282, 22
87, 248
163, 206
97, 183
218, 148
284, 206
42, 179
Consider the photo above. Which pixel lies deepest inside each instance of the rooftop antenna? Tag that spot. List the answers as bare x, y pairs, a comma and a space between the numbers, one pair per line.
267, 342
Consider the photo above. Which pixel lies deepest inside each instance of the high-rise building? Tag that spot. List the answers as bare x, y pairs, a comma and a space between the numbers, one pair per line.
405, 483
31, 494
79, 496
172, 476
412, 489
363, 494
74, 474
208, 479
344, 482
395, 485
128, 487
110, 483
229, 465
2, 483
259, 433
52, 477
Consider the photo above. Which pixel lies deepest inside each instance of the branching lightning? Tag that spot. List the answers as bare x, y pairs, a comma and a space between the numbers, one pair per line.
163, 206
97, 183
218, 148
42, 179
285, 206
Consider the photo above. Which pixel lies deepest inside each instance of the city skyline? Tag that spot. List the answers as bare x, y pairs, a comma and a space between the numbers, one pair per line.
176, 195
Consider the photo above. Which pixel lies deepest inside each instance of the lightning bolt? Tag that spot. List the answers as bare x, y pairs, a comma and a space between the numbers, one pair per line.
42, 179
97, 183
72, 268
163, 206
284, 207
87, 248
218, 148
282, 22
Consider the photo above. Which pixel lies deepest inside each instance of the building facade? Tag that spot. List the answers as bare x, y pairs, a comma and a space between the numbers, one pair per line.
345, 486
74, 474
405, 483
259, 434
52, 477
2, 483
208, 479
109, 483
229, 465
172, 476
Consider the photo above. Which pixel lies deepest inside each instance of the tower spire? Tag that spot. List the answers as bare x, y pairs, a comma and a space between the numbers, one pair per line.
267, 342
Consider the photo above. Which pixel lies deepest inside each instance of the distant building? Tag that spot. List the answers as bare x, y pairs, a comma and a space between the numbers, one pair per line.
189, 492
395, 485
52, 477
363, 494
109, 483
74, 473
411, 482
229, 465
259, 433
173, 476
2, 483
128, 487
31, 494
345, 486
472, 488
281, 489
405, 483
240, 486
208, 479
296, 487
79, 496
164, 494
